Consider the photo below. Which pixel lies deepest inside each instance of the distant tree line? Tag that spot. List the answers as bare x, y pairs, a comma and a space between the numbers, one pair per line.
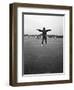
39, 36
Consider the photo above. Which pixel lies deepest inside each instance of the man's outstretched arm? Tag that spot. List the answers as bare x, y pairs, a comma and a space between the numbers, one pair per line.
39, 30
48, 30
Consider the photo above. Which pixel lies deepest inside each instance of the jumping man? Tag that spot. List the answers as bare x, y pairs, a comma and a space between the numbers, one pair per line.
44, 34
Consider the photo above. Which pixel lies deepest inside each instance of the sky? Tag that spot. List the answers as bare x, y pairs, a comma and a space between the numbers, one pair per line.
33, 22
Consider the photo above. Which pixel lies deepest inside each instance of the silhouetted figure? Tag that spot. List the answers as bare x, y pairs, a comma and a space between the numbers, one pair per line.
44, 34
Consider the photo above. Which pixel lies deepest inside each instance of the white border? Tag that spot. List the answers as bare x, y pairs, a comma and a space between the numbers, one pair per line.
44, 77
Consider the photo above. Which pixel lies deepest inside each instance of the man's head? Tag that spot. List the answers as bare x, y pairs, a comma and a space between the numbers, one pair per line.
43, 28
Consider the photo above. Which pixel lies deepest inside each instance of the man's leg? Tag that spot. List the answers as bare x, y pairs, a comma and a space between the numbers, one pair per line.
46, 40
42, 40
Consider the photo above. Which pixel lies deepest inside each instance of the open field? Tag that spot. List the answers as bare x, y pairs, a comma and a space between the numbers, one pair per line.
46, 59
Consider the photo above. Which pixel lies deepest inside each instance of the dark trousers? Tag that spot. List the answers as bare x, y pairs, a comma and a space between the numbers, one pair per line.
44, 39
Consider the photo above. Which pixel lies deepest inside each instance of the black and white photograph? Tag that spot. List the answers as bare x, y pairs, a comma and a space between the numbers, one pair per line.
43, 43
40, 44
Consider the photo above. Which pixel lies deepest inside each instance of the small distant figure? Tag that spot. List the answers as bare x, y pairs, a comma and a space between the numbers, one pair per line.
44, 35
